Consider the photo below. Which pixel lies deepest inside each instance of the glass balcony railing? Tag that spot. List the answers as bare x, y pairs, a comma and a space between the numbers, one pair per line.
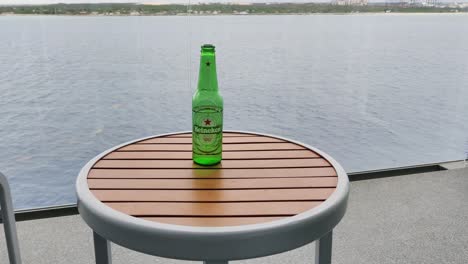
374, 90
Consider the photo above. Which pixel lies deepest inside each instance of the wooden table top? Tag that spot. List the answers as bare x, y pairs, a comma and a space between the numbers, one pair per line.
260, 179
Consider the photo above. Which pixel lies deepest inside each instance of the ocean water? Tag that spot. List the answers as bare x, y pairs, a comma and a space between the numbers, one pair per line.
374, 91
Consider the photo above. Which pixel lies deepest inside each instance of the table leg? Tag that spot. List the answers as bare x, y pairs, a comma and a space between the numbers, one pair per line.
216, 262
102, 250
323, 249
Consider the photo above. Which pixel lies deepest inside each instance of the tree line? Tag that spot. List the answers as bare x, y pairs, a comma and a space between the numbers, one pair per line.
174, 9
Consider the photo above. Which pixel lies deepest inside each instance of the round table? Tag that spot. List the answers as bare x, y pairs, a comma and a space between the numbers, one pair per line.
268, 195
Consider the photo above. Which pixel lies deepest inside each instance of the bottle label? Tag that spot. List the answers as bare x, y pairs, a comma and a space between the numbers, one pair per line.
207, 130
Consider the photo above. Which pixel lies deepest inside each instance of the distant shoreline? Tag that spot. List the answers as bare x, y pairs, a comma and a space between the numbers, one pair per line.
338, 7
272, 14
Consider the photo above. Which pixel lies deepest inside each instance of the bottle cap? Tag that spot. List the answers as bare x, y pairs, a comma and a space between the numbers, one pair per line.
208, 48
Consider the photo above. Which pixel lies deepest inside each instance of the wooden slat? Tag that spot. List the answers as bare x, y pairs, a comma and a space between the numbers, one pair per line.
260, 179
226, 147
226, 164
213, 195
208, 173
212, 183
226, 140
225, 134
213, 209
178, 155
211, 221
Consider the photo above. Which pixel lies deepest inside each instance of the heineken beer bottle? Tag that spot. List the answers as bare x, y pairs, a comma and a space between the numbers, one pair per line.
207, 112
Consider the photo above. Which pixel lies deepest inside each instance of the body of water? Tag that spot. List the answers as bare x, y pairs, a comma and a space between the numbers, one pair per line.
374, 91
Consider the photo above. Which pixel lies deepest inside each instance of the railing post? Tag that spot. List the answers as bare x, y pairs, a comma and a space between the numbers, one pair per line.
9, 223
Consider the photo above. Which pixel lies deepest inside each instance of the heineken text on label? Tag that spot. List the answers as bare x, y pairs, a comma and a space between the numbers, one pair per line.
207, 112
210, 130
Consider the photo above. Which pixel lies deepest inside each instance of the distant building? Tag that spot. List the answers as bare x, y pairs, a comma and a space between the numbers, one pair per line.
339, 2
423, 2
241, 3
431, 2
349, 2
360, 2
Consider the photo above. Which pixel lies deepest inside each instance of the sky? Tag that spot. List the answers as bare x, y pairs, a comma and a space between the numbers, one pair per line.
146, 1
21, 2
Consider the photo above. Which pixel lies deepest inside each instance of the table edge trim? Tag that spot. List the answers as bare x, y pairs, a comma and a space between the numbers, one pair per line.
329, 212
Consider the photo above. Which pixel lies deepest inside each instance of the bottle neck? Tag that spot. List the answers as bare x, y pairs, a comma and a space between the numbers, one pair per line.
207, 79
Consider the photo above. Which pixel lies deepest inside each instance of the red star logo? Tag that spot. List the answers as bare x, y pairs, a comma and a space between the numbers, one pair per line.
207, 122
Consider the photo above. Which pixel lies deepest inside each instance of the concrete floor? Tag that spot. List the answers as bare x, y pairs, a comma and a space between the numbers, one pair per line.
419, 218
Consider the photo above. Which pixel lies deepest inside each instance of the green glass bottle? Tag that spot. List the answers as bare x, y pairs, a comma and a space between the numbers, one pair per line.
207, 112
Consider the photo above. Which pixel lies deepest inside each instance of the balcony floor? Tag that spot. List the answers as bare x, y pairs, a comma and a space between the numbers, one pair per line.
417, 218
